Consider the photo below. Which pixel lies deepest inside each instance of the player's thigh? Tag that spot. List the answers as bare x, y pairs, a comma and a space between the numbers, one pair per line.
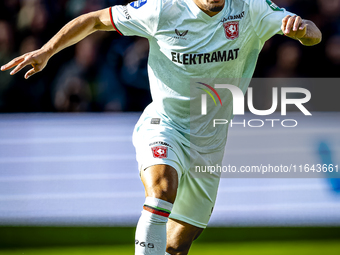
160, 181
180, 236
196, 194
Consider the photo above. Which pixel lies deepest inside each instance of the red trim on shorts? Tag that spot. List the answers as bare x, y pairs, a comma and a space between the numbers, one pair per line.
113, 24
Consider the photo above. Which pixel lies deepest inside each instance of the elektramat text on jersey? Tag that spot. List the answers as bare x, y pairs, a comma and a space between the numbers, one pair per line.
203, 58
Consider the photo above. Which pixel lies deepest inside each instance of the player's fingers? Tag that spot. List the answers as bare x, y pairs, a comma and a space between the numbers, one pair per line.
20, 66
284, 23
30, 73
290, 23
297, 23
303, 25
285, 19
12, 63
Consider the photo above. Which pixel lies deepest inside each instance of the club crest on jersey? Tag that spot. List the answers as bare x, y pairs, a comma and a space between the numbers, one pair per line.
160, 152
231, 30
138, 4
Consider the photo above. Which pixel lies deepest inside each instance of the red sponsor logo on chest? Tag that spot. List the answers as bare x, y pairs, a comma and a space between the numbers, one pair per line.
160, 151
231, 30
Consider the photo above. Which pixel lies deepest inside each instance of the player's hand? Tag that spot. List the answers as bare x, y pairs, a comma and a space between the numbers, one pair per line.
37, 59
294, 27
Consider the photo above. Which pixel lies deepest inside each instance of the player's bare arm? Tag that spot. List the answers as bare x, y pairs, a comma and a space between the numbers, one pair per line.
71, 33
303, 30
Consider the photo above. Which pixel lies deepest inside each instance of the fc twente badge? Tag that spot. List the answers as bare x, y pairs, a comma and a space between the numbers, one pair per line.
231, 30
160, 152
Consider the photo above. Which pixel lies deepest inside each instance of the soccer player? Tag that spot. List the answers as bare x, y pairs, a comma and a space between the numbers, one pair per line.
190, 40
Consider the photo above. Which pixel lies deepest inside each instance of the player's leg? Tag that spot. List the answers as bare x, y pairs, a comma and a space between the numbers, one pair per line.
195, 200
155, 231
164, 163
180, 236
160, 182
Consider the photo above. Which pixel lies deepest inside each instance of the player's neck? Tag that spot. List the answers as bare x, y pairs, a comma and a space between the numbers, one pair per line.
210, 7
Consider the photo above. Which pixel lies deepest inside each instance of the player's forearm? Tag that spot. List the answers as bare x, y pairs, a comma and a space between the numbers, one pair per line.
78, 29
313, 35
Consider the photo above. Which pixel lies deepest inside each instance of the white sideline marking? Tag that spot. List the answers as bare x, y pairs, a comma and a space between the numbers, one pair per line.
84, 139
82, 158
72, 196
85, 158
70, 177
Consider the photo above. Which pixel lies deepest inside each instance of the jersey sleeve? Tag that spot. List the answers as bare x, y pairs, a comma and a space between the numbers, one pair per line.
267, 18
136, 18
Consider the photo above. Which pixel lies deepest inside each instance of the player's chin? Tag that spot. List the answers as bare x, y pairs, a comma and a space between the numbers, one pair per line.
215, 6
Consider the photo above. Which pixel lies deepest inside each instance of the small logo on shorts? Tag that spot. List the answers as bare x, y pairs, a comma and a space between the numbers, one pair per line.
160, 152
155, 121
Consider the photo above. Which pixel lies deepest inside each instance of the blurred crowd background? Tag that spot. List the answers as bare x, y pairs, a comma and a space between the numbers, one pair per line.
107, 72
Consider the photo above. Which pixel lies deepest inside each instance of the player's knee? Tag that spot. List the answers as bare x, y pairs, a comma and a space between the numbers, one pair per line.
175, 248
161, 181
163, 189
168, 195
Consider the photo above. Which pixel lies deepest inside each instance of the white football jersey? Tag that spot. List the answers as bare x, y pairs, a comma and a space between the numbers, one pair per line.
189, 50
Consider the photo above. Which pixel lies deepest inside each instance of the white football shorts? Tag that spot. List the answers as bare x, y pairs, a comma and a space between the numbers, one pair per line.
157, 143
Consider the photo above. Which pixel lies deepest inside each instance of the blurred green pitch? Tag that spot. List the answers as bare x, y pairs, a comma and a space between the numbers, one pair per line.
239, 248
